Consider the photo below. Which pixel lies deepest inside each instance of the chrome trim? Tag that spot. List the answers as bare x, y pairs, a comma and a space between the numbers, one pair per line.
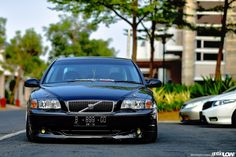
91, 106
81, 111
128, 136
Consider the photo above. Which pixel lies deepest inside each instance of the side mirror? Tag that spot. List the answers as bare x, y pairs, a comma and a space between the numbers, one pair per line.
31, 83
152, 83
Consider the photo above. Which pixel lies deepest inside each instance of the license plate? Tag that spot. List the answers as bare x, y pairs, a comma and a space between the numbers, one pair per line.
90, 120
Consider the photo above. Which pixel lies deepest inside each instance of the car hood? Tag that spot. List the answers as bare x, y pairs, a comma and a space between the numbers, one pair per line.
87, 91
203, 98
224, 96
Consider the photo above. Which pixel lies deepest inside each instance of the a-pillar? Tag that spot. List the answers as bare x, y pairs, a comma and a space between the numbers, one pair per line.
188, 56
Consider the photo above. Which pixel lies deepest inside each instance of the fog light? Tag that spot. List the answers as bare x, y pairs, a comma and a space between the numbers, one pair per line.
43, 131
213, 119
138, 131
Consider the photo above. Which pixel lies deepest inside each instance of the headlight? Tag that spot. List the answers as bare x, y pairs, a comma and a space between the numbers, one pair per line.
46, 104
223, 102
191, 105
136, 104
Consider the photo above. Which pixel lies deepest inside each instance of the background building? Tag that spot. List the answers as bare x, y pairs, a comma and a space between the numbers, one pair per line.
21, 94
196, 50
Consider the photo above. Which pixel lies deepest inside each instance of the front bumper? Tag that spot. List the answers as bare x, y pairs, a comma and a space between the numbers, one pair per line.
189, 114
117, 125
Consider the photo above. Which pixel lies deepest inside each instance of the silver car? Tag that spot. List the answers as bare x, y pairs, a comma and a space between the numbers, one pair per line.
190, 111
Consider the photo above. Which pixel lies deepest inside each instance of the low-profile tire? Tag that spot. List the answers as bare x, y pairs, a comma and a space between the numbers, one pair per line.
30, 133
234, 119
150, 136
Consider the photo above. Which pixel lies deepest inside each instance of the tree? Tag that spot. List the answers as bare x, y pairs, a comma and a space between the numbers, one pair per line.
109, 11
2, 31
22, 55
168, 13
70, 37
2, 36
226, 27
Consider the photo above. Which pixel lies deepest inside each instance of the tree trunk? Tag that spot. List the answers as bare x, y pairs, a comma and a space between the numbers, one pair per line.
222, 38
134, 27
134, 48
152, 40
16, 87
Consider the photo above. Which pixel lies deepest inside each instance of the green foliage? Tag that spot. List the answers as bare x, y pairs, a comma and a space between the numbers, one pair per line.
133, 12
71, 37
106, 11
92, 9
23, 52
7, 95
211, 87
171, 97
170, 87
2, 31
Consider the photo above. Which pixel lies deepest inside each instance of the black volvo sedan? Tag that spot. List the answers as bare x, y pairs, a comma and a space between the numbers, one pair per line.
92, 98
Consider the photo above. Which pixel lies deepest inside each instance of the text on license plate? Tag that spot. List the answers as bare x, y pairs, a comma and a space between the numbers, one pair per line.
90, 120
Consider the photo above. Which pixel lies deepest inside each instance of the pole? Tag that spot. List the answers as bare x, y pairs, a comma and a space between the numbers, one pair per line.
163, 37
163, 59
128, 44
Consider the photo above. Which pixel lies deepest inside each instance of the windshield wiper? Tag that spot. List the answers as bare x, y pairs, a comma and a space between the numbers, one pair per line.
133, 82
81, 80
102, 80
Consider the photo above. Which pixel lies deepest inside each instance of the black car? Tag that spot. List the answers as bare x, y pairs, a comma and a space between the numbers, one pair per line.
92, 98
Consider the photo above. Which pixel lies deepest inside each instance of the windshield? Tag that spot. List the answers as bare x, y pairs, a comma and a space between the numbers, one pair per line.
86, 71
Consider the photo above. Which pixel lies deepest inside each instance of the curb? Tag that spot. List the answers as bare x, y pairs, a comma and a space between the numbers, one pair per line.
174, 122
12, 107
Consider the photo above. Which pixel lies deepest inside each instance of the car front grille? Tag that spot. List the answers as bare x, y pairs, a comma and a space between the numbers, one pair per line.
90, 106
207, 105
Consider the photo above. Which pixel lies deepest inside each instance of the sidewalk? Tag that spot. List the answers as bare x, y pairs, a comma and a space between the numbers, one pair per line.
12, 107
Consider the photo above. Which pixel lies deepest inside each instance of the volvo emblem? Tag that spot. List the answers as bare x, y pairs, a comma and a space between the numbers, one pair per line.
90, 106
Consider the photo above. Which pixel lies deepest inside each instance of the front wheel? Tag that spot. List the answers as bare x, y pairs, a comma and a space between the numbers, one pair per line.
30, 133
234, 119
150, 135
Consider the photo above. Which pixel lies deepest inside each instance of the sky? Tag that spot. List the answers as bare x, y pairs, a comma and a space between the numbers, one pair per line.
24, 14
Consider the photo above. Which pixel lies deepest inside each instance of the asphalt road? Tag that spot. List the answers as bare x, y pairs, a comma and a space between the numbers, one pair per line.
175, 140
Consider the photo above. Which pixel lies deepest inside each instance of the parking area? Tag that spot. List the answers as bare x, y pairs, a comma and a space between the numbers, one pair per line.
175, 139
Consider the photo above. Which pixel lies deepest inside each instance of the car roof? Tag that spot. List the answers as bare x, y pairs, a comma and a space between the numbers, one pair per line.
224, 96
93, 58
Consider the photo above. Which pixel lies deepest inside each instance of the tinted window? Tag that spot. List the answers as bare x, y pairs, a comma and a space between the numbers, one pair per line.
211, 44
211, 57
63, 71
198, 56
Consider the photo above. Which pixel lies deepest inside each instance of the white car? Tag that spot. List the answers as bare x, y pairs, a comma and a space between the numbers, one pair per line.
220, 109
190, 111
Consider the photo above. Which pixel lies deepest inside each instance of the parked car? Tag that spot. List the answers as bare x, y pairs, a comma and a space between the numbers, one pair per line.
92, 98
220, 109
190, 111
